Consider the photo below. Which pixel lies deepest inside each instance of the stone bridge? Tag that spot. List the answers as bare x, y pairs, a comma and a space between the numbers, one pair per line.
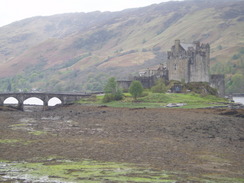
66, 98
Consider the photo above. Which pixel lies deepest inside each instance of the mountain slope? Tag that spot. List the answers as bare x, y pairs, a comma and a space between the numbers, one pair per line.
49, 52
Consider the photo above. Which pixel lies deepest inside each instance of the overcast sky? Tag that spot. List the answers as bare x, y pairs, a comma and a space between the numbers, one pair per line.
13, 10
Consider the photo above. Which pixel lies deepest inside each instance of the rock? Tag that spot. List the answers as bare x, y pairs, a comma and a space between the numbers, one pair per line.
241, 138
176, 104
172, 105
211, 136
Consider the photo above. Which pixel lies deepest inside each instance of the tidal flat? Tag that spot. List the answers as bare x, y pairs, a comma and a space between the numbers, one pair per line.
101, 144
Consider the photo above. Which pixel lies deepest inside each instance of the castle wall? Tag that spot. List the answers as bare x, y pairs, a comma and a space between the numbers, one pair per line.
123, 84
199, 70
178, 69
217, 81
147, 82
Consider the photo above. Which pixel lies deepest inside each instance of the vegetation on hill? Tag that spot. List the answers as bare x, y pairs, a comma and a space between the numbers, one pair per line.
233, 68
80, 51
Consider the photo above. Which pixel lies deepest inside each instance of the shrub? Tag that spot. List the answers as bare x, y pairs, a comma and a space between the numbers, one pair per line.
112, 92
159, 87
108, 98
235, 57
136, 89
144, 94
111, 86
118, 95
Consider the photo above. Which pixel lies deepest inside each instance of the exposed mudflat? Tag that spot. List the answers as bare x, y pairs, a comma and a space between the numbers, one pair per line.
195, 141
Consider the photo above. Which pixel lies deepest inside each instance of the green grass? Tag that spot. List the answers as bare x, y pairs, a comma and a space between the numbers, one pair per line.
19, 125
9, 141
37, 133
159, 100
14, 141
88, 171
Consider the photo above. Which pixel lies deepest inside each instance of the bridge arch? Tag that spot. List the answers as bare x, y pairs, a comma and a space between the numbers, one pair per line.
11, 100
54, 101
33, 101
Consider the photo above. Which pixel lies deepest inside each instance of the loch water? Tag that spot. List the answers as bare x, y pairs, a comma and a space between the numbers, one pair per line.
239, 100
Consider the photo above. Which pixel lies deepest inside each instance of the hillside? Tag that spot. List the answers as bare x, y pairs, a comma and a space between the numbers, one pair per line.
79, 51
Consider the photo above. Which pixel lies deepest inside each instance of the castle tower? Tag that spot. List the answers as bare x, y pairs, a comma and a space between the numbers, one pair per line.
177, 45
199, 68
177, 63
189, 62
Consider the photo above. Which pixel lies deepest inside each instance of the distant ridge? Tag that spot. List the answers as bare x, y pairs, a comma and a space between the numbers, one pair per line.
78, 51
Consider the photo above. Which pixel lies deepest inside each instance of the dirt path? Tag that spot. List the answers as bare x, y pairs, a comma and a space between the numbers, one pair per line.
194, 141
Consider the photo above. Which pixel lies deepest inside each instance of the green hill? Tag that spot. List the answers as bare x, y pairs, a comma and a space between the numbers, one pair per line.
79, 51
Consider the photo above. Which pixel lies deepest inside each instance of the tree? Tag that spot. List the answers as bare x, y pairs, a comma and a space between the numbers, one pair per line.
159, 87
136, 89
111, 86
235, 85
112, 92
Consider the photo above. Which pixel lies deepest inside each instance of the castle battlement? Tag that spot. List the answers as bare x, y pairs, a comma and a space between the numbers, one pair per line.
183, 50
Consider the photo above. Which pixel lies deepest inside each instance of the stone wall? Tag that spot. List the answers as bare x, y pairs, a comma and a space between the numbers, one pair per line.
217, 81
199, 67
178, 69
124, 84
147, 82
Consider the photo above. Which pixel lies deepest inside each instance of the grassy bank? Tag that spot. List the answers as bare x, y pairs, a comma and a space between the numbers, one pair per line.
156, 100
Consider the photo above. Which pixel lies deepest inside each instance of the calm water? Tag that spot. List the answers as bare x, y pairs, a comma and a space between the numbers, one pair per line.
239, 100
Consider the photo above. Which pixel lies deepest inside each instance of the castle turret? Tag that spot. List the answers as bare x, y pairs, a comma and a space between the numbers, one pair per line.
197, 43
177, 45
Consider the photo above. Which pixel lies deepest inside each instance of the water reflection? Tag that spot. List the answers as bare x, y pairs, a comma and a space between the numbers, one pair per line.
54, 101
11, 100
33, 101
239, 100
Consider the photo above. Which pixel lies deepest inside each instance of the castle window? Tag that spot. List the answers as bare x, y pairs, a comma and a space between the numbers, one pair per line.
175, 66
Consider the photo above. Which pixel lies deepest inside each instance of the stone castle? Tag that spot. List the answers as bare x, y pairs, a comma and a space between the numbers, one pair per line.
189, 62
186, 63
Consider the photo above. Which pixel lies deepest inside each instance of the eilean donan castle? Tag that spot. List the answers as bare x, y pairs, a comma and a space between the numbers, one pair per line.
185, 63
